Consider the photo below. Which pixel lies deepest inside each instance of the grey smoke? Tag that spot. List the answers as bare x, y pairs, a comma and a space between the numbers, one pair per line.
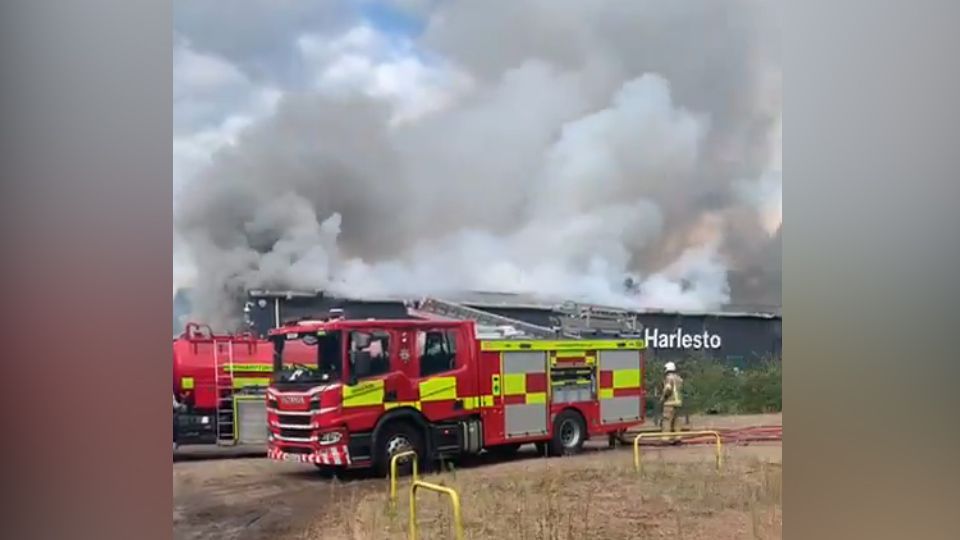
582, 143
255, 34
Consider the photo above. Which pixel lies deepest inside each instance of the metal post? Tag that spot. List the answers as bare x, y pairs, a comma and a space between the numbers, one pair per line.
412, 518
393, 474
454, 501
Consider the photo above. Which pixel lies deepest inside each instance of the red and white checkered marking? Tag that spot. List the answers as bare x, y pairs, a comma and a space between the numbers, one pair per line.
334, 455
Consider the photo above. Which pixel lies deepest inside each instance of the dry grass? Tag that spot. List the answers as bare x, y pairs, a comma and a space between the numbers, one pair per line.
595, 496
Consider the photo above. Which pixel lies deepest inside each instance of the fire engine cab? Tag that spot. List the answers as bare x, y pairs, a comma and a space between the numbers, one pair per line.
374, 388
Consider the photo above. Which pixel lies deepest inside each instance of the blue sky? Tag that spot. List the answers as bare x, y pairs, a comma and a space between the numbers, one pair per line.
391, 20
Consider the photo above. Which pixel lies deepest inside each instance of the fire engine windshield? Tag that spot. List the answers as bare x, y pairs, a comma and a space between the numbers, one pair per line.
308, 358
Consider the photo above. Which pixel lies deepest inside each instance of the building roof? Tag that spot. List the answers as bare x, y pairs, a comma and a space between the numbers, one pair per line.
509, 300
489, 299
318, 293
346, 324
501, 299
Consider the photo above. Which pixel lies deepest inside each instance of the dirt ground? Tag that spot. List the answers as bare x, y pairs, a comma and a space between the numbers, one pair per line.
252, 498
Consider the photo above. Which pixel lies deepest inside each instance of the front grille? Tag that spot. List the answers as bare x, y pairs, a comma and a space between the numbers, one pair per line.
314, 406
294, 420
297, 450
296, 433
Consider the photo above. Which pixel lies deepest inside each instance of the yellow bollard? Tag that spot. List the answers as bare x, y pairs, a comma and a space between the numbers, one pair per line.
638, 465
393, 474
454, 500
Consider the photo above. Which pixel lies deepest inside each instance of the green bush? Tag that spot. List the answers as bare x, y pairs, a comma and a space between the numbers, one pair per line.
714, 386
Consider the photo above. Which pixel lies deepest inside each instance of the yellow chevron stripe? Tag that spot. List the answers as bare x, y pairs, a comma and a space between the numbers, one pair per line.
364, 394
626, 378
394, 404
262, 368
241, 382
561, 345
438, 389
514, 384
536, 397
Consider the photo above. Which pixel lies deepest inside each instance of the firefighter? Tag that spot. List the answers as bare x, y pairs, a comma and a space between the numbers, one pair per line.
671, 399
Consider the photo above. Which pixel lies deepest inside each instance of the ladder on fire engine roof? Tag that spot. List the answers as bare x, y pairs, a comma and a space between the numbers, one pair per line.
223, 385
580, 320
453, 310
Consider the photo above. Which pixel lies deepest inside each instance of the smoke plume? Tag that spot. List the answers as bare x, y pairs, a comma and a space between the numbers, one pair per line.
551, 147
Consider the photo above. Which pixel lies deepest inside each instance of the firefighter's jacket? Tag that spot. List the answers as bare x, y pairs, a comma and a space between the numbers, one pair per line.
673, 390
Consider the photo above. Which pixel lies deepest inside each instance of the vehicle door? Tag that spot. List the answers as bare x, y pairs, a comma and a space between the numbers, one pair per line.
446, 389
369, 355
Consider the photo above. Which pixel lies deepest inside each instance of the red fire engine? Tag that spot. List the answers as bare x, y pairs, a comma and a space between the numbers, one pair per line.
377, 387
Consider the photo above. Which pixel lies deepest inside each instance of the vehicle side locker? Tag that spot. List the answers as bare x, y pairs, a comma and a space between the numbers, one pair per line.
524, 393
620, 386
490, 391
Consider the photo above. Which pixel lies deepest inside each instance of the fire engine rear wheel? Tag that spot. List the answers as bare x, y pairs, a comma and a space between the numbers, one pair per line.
395, 438
569, 434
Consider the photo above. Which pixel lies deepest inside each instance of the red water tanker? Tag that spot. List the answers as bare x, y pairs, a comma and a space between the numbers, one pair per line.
213, 376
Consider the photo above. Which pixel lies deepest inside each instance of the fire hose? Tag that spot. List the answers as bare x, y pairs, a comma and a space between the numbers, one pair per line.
727, 435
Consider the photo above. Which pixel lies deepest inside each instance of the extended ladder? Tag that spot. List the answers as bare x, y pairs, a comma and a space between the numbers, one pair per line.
579, 320
458, 311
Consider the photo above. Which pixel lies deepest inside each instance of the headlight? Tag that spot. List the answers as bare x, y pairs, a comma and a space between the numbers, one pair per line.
331, 438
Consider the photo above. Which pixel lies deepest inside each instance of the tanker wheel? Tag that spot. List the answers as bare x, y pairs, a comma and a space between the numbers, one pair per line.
398, 437
569, 434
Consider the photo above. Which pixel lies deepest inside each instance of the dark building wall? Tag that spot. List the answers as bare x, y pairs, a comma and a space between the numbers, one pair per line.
262, 310
743, 340
259, 315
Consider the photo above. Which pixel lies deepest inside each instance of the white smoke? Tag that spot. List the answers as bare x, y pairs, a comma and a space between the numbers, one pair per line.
368, 62
557, 167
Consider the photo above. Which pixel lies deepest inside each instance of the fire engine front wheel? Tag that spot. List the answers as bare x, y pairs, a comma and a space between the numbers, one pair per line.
398, 437
569, 434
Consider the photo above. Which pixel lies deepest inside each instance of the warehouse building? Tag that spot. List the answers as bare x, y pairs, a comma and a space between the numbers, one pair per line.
740, 338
